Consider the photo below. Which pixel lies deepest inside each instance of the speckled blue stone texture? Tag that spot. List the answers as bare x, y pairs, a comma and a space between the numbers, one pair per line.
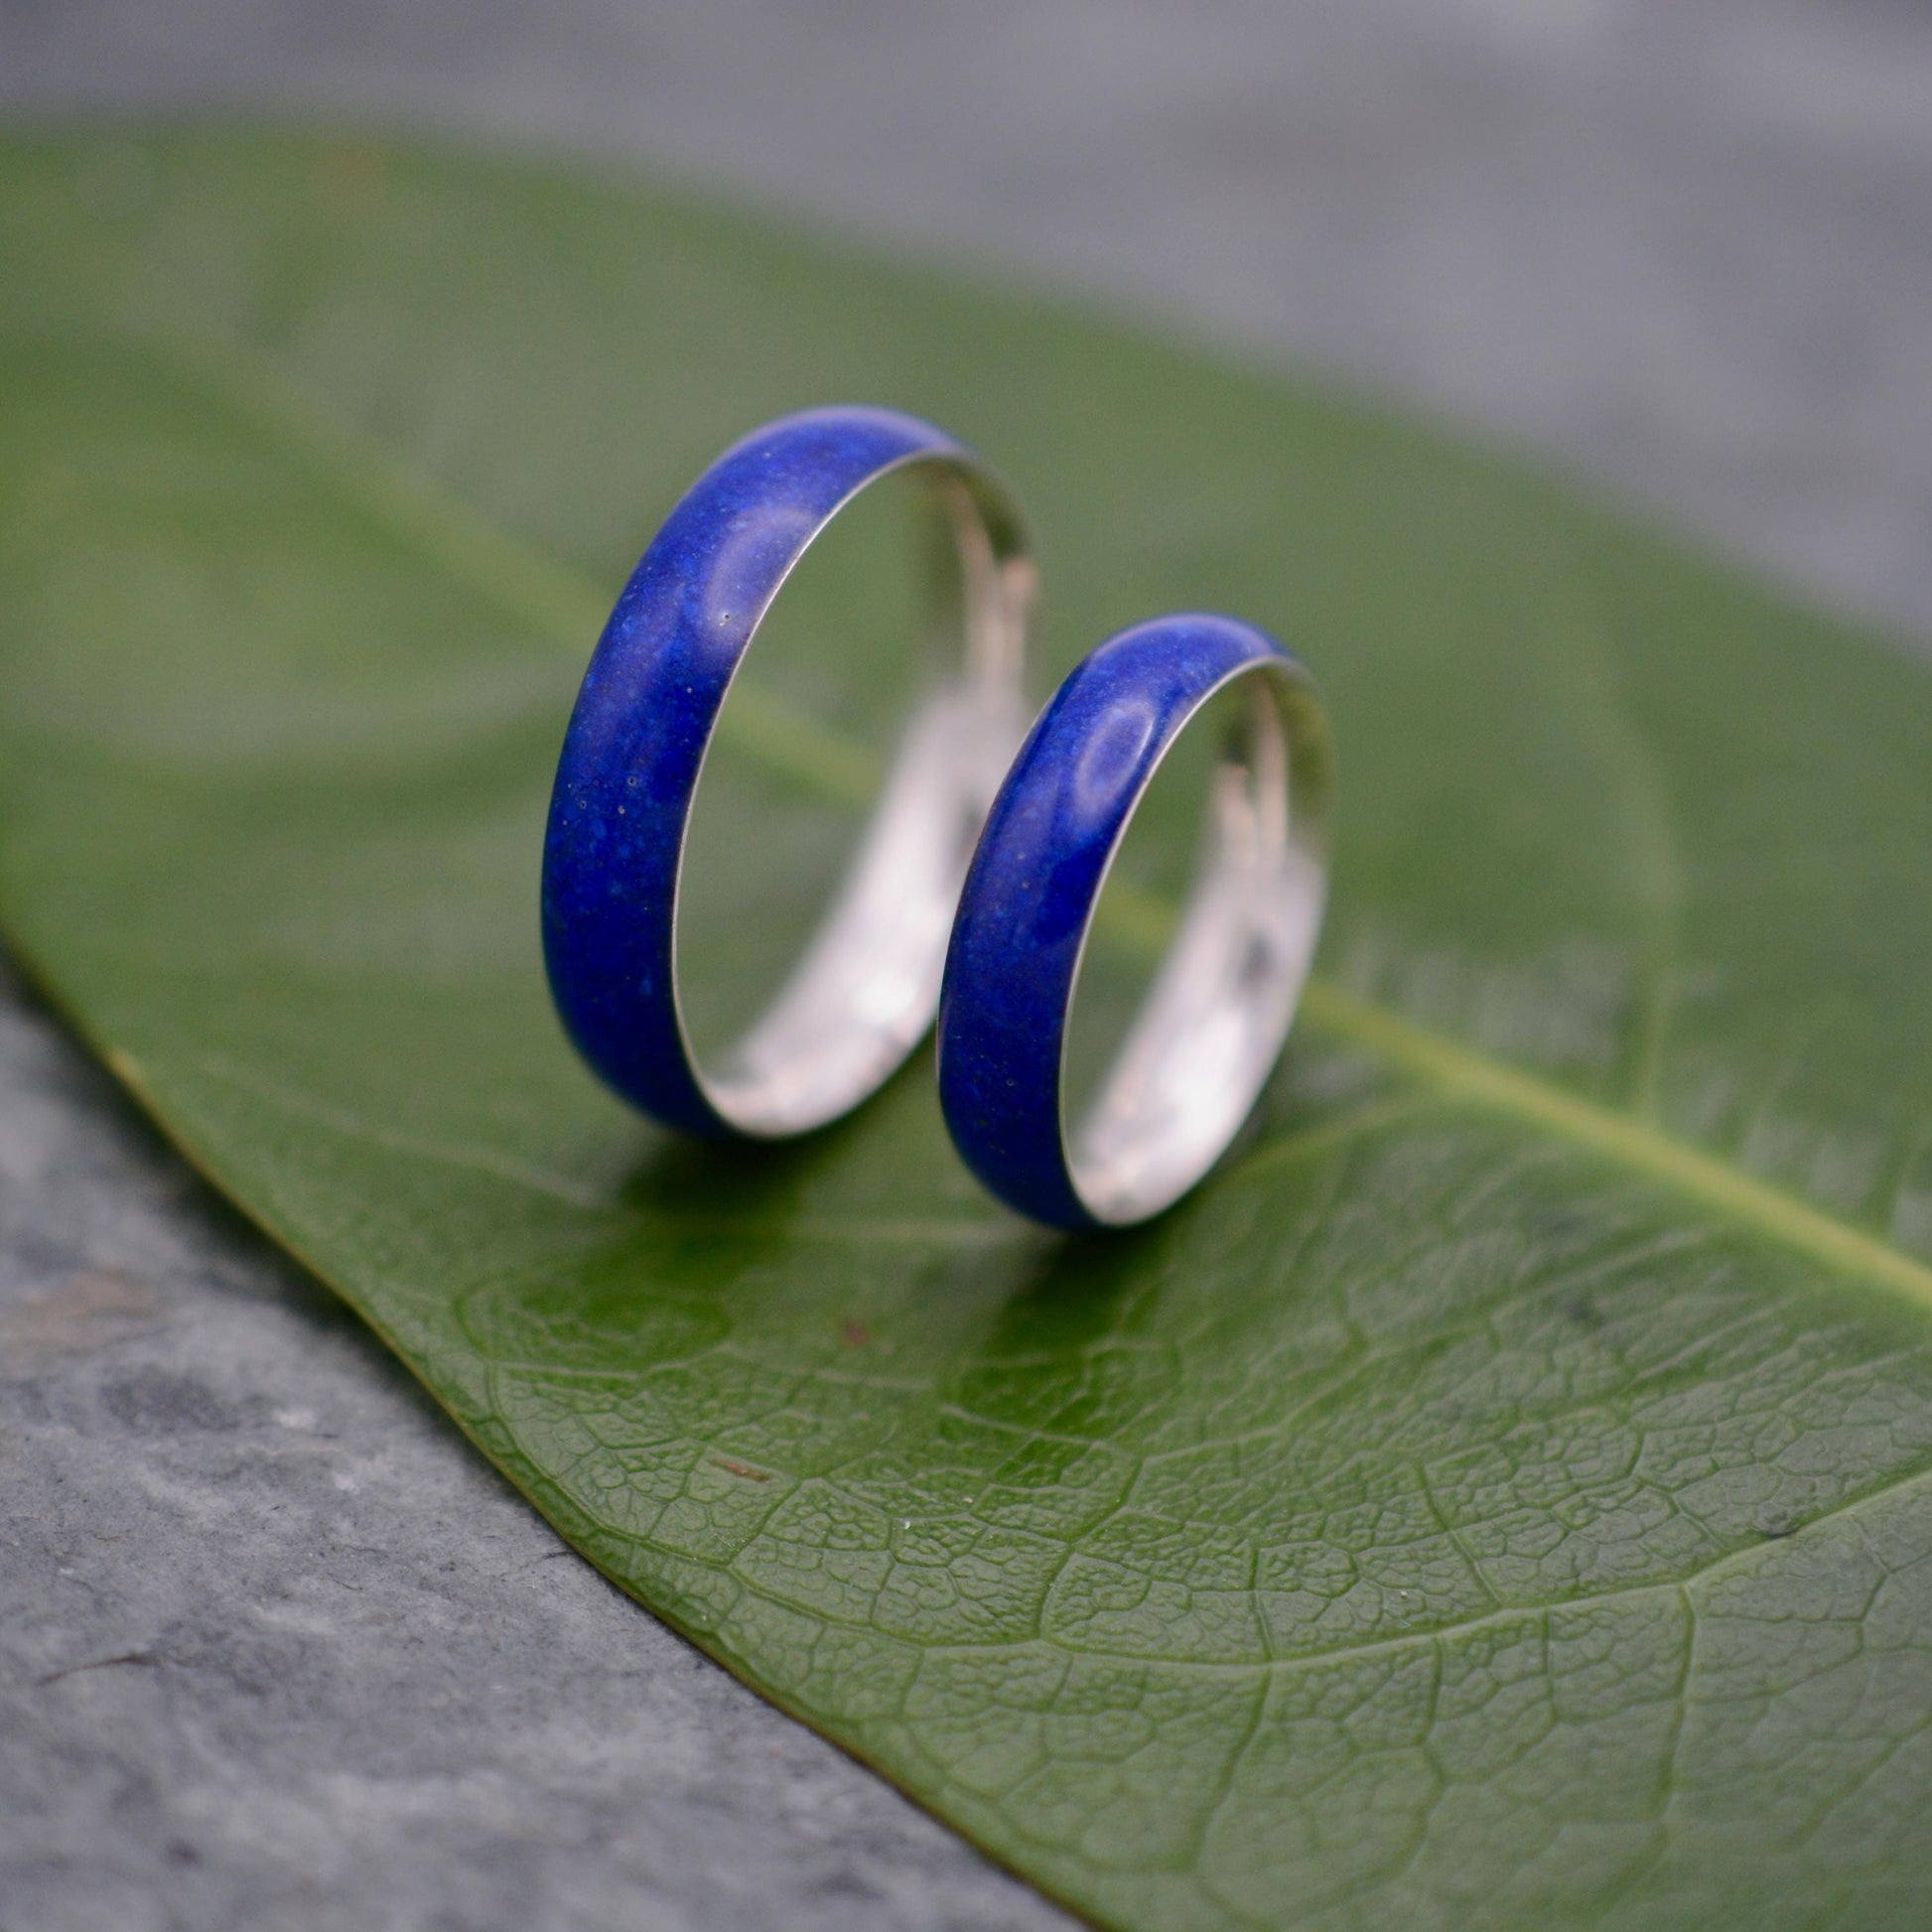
1031, 890
637, 736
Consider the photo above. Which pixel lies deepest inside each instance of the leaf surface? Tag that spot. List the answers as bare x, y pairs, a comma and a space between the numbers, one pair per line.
1503, 1497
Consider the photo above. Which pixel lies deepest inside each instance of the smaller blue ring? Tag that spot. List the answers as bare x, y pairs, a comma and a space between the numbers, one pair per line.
1034, 881
645, 716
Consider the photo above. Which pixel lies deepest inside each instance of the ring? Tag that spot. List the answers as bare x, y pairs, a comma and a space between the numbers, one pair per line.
867, 986
1206, 1036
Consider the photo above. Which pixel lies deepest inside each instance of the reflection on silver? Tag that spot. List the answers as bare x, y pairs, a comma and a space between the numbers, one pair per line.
1209, 1032
867, 987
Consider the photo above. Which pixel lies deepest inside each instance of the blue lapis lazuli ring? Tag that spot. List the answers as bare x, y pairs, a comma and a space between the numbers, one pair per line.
1205, 1036
867, 986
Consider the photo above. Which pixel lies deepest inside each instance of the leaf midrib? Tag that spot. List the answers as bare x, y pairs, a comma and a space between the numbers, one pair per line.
558, 602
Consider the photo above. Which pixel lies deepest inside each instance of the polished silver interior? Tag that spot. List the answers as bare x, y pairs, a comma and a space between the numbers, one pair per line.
1207, 1034
867, 986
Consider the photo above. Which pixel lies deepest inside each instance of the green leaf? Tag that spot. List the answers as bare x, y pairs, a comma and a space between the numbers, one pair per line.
1503, 1497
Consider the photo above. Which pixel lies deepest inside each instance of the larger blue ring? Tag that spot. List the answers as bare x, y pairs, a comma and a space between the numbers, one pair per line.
1213, 1022
650, 700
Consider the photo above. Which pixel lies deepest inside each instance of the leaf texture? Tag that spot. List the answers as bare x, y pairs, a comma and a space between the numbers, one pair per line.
1501, 1497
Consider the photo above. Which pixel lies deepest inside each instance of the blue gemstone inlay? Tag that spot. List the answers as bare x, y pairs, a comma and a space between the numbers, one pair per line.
1033, 886
645, 713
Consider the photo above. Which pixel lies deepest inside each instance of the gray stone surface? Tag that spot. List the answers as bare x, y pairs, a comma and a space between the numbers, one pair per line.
275, 1649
